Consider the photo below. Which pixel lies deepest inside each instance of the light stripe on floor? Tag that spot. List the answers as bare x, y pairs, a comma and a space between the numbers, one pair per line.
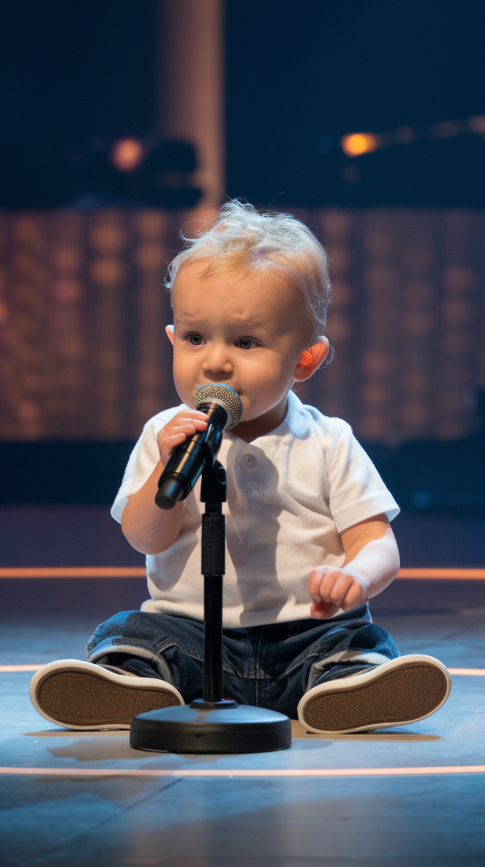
140, 572
475, 672
21, 667
444, 574
75, 572
321, 772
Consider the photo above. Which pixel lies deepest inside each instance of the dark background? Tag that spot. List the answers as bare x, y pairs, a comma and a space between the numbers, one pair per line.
72, 76
75, 76
299, 75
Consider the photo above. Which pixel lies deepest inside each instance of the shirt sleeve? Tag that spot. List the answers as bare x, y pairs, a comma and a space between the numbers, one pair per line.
142, 461
357, 491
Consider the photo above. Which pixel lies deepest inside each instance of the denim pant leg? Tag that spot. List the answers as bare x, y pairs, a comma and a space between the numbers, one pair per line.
348, 644
268, 666
293, 657
153, 645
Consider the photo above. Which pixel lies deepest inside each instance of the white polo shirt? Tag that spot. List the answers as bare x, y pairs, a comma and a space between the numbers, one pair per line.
289, 496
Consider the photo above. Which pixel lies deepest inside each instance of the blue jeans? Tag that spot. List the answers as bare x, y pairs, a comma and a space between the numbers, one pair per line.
268, 666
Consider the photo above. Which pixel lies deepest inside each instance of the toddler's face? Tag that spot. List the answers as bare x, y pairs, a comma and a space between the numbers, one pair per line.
245, 329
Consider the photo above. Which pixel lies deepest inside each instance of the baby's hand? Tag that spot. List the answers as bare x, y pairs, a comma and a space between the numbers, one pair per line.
333, 588
183, 425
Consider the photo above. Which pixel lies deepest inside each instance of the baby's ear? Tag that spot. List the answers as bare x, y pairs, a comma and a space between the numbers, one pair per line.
311, 359
169, 333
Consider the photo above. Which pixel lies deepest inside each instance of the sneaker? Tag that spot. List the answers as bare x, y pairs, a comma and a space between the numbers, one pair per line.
79, 695
396, 693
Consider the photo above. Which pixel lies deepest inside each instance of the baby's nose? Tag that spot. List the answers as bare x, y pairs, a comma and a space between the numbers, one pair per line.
217, 358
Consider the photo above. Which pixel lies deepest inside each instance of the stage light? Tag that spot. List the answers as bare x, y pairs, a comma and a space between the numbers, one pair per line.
405, 135
477, 124
127, 154
446, 129
358, 143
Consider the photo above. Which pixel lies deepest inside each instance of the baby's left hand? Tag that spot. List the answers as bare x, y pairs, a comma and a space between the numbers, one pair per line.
333, 588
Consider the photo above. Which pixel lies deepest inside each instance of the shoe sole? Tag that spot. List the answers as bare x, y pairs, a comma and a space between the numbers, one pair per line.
74, 696
398, 693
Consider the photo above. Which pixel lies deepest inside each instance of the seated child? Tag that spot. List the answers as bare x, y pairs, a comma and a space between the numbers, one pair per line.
307, 516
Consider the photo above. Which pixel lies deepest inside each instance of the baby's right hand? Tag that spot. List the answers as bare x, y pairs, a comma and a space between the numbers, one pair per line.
183, 425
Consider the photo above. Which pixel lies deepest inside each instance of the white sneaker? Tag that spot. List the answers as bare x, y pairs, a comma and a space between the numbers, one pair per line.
79, 695
396, 693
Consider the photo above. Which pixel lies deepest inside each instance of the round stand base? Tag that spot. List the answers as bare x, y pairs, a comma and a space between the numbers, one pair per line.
240, 729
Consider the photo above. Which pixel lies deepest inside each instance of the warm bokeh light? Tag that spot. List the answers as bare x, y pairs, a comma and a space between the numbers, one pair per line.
391, 259
127, 154
359, 143
477, 124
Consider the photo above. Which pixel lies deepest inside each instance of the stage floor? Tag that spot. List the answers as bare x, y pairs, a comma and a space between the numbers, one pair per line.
401, 797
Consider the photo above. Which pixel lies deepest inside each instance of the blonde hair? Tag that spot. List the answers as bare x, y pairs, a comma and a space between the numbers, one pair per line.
241, 237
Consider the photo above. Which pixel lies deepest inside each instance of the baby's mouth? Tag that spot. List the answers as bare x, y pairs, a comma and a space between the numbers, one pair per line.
198, 387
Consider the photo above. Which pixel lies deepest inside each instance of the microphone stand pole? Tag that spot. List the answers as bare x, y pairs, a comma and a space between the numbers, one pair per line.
212, 724
213, 494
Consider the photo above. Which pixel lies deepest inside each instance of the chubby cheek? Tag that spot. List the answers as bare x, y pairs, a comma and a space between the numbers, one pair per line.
184, 376
274, 375
264, 389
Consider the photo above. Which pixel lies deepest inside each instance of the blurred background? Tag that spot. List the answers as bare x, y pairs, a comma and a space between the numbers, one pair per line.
123, 122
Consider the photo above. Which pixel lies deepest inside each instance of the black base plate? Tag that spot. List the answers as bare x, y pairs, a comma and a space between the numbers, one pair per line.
241, 729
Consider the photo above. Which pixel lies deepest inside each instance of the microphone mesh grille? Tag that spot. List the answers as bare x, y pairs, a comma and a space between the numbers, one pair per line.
224, 394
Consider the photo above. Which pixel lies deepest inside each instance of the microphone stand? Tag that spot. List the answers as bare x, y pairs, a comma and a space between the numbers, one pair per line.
213, 494
212, 724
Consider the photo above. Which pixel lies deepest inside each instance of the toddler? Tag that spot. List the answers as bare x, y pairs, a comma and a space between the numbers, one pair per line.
307, 516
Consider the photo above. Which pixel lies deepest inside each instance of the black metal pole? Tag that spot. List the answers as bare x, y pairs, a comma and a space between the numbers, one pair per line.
213, 494
212, 637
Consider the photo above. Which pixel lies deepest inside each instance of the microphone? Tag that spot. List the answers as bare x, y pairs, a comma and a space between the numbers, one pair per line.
224, 408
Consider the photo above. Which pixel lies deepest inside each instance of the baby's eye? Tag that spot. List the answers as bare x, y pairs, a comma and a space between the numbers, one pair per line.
246, 343
195, 339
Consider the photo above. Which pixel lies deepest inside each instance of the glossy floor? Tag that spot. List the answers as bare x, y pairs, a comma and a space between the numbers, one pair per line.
408, 797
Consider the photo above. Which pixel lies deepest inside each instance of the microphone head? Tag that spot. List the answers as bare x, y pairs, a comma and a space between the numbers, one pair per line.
225, 396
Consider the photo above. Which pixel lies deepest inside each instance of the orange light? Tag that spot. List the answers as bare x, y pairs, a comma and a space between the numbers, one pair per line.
444, 574
360, 143
74, 572
127, 154
456, 574
477, 124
